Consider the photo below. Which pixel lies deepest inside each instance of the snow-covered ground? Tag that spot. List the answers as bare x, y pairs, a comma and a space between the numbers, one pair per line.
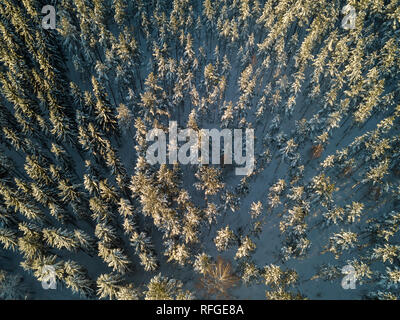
269, 79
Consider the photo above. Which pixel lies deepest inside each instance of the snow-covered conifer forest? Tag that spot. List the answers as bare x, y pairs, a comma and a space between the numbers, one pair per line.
76, 192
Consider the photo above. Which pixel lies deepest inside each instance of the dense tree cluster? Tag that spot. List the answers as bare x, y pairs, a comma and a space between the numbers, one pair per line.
76, 104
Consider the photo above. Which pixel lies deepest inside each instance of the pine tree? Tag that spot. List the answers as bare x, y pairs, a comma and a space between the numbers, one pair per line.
256, 208
163, 288
246, 247
125, 209
128, 292
224, 238
386, 253
60, 239
105, 116
76, 278
177, 252
202, 263
108, 285
209, 180
218, 279
250, 274
8, 238
341, 241
117, 260
124, 117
